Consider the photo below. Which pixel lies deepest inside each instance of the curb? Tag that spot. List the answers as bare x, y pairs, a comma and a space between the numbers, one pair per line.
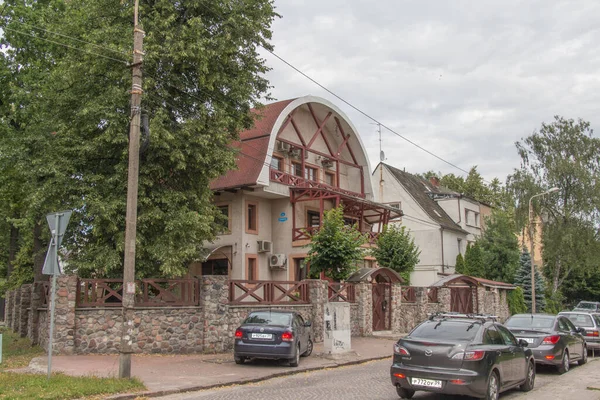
130, 396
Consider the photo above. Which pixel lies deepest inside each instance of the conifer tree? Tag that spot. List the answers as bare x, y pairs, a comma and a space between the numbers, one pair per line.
523, 279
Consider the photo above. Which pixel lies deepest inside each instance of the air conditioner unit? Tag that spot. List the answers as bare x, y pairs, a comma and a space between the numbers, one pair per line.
278, 261
283, 147
264, 246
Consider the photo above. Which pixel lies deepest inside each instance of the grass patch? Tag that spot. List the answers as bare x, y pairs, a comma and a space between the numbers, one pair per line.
33, 386
17, 352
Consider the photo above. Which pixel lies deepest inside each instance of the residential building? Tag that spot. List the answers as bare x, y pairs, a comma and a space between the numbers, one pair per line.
302, 157
441, 221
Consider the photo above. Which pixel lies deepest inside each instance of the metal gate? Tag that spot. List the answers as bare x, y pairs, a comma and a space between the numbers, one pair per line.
382, 294
461, 300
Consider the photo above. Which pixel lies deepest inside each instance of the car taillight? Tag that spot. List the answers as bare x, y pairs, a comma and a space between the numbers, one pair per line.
238, 334
592, 333
401, 351
474, 355
287, 336
551, 339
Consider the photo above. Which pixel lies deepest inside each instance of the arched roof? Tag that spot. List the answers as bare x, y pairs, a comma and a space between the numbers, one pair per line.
457, 279
257, 144
375, 274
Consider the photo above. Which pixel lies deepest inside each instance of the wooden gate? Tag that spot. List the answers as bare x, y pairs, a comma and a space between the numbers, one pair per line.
461, 300
382, 294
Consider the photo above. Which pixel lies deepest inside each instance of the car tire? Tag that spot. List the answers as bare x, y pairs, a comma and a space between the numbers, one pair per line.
239, 360
309, 348
404, 393
584, 357
492, 391
530, 379
563, 368
296, 360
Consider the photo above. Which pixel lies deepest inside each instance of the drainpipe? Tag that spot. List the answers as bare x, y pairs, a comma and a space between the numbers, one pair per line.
459, 213
442, 237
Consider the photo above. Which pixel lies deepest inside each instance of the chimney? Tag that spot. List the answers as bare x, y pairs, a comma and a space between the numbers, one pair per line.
434, 181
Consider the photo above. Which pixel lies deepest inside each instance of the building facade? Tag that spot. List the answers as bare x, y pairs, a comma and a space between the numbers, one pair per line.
302, 157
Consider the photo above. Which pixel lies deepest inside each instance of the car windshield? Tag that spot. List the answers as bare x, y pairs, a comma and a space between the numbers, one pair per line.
268, 318
586, 305
446, 330
581, 320
530, 321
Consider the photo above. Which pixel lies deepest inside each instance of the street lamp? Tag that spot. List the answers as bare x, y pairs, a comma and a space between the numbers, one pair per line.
531, 249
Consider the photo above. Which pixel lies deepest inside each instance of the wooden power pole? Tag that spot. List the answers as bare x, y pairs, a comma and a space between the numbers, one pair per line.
125, 348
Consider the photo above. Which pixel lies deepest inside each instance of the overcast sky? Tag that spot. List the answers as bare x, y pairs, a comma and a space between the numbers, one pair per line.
464, 79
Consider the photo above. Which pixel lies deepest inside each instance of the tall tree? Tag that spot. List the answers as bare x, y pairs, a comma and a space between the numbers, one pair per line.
459, 266
202, 75
396, 249
523, 280
500, 247
474, 261
563, 154
335, 249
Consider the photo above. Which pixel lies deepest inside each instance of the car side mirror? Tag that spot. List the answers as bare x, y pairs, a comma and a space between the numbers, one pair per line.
523, 343
307, 324
579, 329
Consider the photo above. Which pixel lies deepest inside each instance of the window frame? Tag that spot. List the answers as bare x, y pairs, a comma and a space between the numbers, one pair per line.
254, 258
307, 218
281, 163
312, 167
247, 217
330, 174
297, 167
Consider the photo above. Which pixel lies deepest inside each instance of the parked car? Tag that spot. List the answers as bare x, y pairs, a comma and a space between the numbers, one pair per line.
553, 339
273, 334
590, 324
589, 306
461, 354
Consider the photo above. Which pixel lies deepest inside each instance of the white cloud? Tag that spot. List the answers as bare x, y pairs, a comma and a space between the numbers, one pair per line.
463, 79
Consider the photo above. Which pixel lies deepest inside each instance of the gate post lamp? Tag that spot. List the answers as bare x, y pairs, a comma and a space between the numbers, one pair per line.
531, 244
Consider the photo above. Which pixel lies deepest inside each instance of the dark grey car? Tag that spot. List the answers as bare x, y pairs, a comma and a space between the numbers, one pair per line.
588, 306
461, 354
553, 339
590, 323
273, 334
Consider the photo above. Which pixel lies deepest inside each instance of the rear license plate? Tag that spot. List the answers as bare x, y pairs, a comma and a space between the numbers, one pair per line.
426, 382
264, 336
528, 340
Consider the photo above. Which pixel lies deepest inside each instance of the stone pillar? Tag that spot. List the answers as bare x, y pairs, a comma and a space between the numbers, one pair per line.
318, 296
364, 298
16, 316
217, 335
444, 299
33, 324
64, 314
396, 307
24, 304
8, 309
479, 301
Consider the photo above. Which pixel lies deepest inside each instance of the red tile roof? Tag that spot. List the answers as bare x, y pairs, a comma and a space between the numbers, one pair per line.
253, 149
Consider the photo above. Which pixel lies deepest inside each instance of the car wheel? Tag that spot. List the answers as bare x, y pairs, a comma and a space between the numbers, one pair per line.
309, 349
583, 357
239, 360
493, 387
564, 365
530, 379
404, 393
296, 360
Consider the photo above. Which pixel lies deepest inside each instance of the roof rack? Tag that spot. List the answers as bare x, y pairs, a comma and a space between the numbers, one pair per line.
446, 315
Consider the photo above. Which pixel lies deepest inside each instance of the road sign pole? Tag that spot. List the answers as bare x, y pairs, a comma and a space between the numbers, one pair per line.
55, 237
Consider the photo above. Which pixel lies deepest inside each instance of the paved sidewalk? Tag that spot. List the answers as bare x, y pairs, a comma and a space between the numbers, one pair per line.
166, 374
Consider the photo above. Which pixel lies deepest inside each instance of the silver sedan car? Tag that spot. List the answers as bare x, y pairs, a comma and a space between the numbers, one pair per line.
553, 339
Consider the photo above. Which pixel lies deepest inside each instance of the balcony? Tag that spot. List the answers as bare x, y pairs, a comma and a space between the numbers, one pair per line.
305, 233
300, 182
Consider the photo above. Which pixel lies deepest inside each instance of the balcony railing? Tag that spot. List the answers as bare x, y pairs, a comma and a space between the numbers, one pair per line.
298, 181
305, 233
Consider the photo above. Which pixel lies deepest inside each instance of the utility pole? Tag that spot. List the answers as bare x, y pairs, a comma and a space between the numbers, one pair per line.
125, 348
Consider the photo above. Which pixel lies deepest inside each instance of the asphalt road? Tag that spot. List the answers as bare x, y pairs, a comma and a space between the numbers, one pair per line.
365, 381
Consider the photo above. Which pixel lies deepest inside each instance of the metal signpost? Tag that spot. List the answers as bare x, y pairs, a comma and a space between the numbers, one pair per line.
58, 224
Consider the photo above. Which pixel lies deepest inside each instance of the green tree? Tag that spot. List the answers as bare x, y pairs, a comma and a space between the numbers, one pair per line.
460, 266
474, 261
516, 301
66, 116
523, 280
396, 249
500, 247
563, 154
335, 248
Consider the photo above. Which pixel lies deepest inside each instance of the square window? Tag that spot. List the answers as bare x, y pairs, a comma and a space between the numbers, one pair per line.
277, 163
330, 178
310, 173
313, 219
297, 169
